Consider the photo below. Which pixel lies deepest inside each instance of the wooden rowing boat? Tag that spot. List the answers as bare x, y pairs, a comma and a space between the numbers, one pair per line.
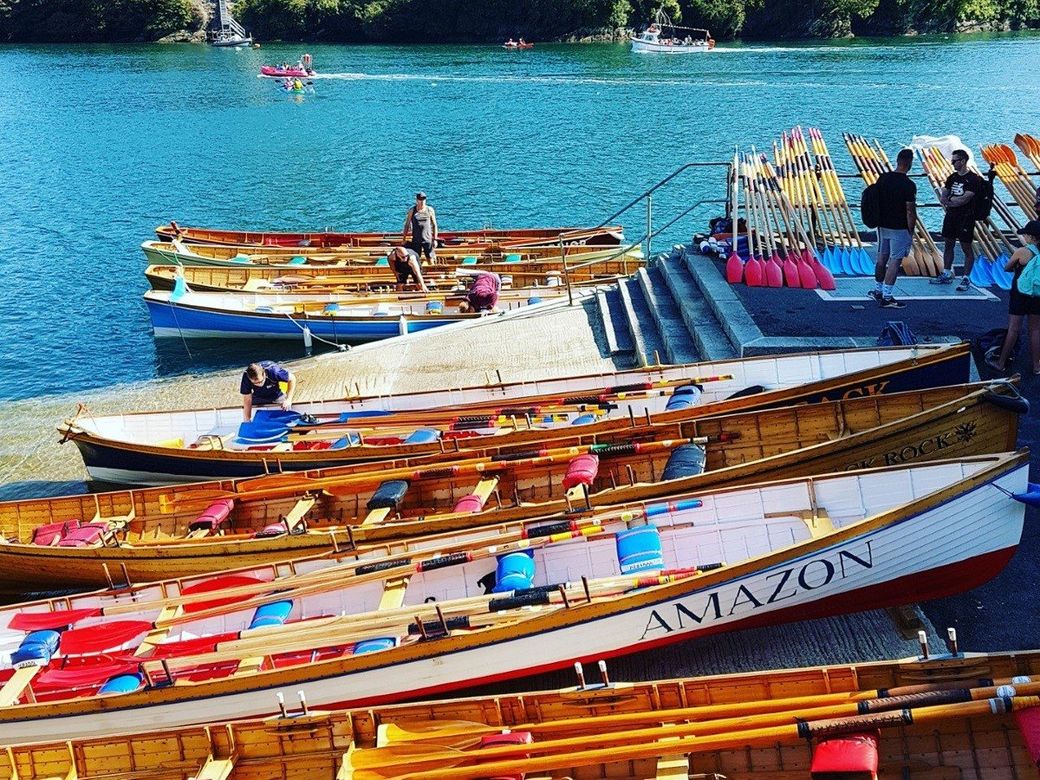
193, 445
306, 280
330, 509
374, 258
722, 560
306, 743
608, 235
355, 320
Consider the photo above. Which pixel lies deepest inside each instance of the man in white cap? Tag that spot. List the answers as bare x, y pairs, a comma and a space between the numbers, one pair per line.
421, 223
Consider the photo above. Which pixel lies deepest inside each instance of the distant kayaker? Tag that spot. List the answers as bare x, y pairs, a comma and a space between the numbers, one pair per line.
959, 223
404, 262
421, 225
260, 387
897, 213
483, 293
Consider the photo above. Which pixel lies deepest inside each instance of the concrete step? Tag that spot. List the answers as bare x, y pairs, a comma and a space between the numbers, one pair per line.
646, 341
615, 325
675, 336
709, 338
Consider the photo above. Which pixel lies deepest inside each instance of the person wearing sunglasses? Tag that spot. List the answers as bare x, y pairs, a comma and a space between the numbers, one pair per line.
959, 223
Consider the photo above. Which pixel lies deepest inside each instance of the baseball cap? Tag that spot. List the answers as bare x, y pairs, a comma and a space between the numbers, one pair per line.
420, 196
1032, 228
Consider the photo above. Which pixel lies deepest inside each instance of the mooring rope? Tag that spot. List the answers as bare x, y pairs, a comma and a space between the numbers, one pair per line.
336, 344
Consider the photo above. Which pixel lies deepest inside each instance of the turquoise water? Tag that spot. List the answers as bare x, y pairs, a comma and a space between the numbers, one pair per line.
100, 144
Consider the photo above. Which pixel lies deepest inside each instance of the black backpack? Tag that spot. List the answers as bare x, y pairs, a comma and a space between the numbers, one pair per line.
984, 197
870, 206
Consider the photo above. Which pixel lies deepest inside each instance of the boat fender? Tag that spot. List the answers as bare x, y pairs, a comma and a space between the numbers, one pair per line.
855, 755
374, 645
683, 398
1031, 497
470, 504
584, 419
434, 307
752, 390
122, 683
582, 470
515, 571
1013, 403
388, 495
423, 436
685, 461
52, 533
1028, 722
216, 515
273, 614
639, 549
36, 649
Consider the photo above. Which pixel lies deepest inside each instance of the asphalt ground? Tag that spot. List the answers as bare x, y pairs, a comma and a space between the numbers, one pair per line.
1003, 613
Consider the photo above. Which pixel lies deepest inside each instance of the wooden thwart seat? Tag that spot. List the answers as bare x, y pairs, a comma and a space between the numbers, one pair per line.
216, 768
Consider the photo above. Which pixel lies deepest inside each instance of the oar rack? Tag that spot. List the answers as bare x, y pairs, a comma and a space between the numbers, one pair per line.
792, 210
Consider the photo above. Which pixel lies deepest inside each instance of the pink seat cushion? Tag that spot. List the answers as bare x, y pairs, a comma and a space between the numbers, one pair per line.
86, 535
52, 533
214, 516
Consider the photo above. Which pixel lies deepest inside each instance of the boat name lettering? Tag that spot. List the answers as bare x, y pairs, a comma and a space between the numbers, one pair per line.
783, 584
910, 452
862, 391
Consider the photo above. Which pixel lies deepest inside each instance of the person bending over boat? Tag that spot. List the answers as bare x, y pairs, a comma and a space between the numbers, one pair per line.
421, 223
483, 293
261, 386
404, 262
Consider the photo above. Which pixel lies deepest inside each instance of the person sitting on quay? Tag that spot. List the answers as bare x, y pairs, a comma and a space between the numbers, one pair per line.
404, 262
261, 386
421, 223
483, 293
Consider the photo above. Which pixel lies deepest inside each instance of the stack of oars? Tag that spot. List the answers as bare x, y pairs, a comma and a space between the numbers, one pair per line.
991, 246
779, 250
813, 184
1030, 147
439, 750
924, 259
1013, 176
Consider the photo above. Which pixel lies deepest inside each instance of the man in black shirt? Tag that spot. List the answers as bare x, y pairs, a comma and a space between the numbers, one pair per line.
959, 223
897, 212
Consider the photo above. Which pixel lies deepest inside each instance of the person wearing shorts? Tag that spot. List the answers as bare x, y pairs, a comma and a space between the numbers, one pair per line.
404, 262
421, 224
959, 223
1021, 307
897, 207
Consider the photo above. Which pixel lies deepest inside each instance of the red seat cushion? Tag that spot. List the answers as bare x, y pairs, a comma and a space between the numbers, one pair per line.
52, 533
86, 535
849, 757
214, 516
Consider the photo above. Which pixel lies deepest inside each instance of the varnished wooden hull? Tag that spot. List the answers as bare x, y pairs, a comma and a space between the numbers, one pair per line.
799, 440
898, 534
313, 747
601, 236
120, 460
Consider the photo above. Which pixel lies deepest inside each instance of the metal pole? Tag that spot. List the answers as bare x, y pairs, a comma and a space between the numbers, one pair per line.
566, 274
649, 222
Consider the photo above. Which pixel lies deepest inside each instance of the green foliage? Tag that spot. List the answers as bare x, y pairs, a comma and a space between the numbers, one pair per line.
493, 20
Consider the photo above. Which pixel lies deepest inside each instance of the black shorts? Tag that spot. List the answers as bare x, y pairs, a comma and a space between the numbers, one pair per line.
959, 227
1020, 305
404, 272
424, 248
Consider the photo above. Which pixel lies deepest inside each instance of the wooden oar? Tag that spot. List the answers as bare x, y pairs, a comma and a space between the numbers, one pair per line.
755, 270
707, 719
577, 752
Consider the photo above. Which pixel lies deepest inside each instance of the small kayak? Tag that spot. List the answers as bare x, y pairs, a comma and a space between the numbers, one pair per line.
278, 72
516, 46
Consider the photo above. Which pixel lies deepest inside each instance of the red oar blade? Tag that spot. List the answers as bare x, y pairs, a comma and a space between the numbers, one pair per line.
39, 621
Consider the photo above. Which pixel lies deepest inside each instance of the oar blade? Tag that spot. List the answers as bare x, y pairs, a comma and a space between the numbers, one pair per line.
443, 732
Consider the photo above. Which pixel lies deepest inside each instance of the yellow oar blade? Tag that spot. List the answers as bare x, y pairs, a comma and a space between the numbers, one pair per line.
455, 733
